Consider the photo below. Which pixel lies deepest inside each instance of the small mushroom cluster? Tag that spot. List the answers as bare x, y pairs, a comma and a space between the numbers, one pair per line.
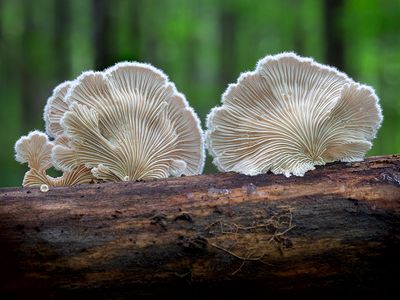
290, 115
126, 123
35, 149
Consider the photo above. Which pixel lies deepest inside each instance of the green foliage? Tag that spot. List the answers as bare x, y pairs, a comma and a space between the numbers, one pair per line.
202, 45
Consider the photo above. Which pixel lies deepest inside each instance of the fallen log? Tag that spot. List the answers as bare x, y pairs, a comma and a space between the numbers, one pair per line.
335, 229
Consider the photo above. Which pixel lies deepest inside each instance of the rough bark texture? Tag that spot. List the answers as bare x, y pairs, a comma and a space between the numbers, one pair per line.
334, 230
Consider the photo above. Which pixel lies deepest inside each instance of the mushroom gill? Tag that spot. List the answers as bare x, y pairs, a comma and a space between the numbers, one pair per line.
289, 115
129, 123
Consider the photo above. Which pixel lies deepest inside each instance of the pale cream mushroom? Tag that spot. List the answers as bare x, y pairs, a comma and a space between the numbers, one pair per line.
290, 115
129, 123
35, 149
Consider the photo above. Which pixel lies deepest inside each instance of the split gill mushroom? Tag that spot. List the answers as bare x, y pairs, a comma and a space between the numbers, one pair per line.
290, 115
129, 123
126, 123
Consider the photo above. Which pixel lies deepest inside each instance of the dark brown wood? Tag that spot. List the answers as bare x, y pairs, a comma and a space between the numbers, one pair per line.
335, 229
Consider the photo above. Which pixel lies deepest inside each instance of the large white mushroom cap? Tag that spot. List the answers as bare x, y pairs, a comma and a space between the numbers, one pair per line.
289, 115
129, 123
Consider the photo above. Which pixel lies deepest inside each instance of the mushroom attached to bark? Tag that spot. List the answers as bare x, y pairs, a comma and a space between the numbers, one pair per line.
129, 123
35, 149
290, 115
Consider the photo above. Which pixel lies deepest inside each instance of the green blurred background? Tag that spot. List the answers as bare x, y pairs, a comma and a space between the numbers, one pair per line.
201, 45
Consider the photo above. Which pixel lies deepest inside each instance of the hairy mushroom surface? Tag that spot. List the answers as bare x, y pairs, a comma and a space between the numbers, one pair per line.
129, 123
289, 115
35, 149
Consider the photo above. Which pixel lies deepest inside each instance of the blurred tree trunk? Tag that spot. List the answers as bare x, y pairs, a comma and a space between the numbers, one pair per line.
191, 60
102, 19
32, 107
136, 33
61, 38
1, 27
150, 30
227, 23
333, 33
299, 32
2, 43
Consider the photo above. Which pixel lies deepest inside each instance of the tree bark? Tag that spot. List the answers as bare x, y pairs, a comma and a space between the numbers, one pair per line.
334, 230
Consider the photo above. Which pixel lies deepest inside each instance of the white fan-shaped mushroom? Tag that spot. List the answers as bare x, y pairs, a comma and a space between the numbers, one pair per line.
35, 149
289, 115
129, 123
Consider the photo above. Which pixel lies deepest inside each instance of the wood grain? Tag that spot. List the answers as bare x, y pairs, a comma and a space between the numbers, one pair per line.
335, 229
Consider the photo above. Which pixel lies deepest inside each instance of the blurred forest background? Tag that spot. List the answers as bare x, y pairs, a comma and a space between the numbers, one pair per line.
201, 45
